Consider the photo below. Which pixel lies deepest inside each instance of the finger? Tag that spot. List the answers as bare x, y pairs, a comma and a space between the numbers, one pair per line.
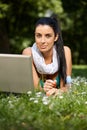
54, 83
51, 83
58, 92
51, 92
48, 85
46, 89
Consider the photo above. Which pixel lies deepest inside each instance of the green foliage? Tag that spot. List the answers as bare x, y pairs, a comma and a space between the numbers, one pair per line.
3, 10
76, 34
35, 110
18, 17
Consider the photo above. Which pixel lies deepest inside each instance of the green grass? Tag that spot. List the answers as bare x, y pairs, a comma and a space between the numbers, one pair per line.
80, 70
35, 111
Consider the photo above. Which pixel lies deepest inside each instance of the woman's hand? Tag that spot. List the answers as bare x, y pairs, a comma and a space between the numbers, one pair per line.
50, 88
49, 84
52, 91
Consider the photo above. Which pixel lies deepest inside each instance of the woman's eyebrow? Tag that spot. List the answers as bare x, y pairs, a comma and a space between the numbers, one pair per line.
48, 33
45, 33
37, 33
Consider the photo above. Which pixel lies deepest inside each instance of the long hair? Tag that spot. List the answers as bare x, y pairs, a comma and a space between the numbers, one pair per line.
53, 22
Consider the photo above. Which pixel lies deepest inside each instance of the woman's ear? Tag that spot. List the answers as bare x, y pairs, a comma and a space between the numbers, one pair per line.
56, 38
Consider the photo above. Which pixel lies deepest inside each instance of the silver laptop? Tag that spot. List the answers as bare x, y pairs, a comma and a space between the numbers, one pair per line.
16, 73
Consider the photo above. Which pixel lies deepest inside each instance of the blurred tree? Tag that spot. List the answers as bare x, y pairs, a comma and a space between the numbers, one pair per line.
17, 20
18, 17
76, 35
4, 41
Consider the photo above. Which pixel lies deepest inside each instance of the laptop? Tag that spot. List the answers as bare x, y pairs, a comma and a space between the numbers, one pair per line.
16, 73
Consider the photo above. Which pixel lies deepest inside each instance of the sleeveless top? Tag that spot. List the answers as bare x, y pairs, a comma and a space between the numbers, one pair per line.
57, 82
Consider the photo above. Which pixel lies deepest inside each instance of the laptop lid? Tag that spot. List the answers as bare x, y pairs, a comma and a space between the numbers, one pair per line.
16, 73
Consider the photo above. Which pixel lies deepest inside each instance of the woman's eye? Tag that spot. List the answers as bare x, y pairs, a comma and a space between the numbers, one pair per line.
38, 35
48, 36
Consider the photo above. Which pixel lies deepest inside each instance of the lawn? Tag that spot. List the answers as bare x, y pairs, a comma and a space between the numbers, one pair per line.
80, 70
36, 111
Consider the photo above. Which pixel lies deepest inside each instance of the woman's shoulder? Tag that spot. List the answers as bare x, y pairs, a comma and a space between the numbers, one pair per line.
67, 49
27, 51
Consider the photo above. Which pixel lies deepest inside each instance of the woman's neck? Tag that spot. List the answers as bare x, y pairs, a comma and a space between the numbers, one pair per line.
48, 57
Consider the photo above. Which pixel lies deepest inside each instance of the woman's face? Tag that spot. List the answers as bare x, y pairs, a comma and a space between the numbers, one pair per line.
45, 38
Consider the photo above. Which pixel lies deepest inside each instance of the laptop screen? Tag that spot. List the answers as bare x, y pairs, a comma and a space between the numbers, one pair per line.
16, 73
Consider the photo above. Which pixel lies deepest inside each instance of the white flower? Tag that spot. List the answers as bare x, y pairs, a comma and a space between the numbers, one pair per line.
35, 101
31, 99
38, 94
29, 93
46, 102
83, 93
60, 96
10, 102
85, 83
45, 98
86, 102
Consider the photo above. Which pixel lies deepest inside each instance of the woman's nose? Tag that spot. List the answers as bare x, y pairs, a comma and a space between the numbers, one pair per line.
43, 40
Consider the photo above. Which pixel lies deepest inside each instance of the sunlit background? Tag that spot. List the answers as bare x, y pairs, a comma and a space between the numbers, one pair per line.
18, 17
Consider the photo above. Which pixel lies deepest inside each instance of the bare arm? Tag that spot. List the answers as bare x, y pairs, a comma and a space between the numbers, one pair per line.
28, 51
68, 58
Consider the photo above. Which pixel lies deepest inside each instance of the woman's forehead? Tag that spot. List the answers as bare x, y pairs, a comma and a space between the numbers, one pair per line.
46, 28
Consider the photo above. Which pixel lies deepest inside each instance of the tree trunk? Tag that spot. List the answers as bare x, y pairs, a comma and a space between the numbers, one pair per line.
4, 40
4, 43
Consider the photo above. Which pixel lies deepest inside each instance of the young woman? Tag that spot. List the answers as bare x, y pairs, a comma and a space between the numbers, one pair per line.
52, 64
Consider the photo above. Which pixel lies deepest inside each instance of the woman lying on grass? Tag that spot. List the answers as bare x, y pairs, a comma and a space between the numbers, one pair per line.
52, 64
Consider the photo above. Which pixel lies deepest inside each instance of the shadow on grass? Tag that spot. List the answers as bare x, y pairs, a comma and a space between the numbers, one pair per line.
79, 71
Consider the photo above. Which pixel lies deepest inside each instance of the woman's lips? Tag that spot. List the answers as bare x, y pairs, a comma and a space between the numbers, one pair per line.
43, 47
